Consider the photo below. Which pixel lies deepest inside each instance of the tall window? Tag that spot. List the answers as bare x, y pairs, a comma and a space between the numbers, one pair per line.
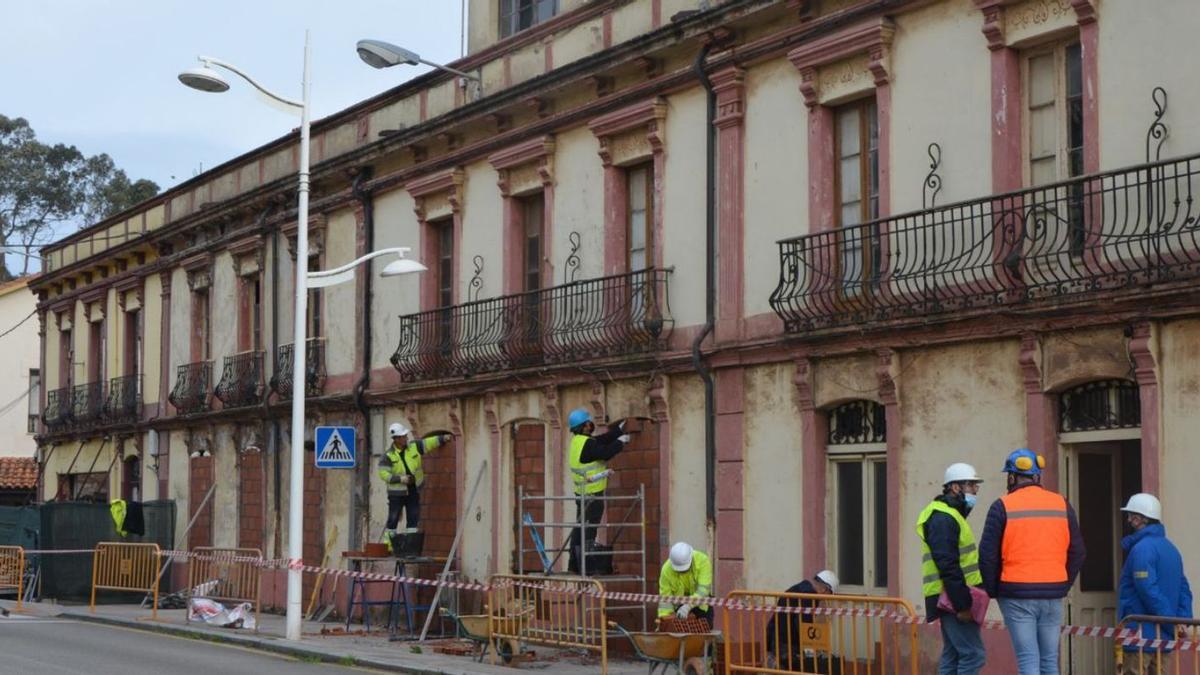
857, 148
133, 343
131, 479
1054, 101
35, 398
200, 325
858, 497
517, 15
314, 301
533, 213
66, 358
639, 185
96, 351
445, 262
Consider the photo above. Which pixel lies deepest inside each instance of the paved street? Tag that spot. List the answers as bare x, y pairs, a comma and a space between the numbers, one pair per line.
53, 646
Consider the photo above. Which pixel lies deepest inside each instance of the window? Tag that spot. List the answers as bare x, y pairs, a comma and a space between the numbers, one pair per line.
314, 302
445, 262
131, 479
858, 499
35, 399
533, 213
96, 351
133, 343
857, 189
639, 185
200, 326
66, 359
250, 314
517, 15
1054, 102
84, 487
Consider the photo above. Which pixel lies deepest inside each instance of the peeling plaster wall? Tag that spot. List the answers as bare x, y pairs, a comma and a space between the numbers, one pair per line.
578, 203
339, 302
843, 379
1076, 357
1180, 399
395, 225
687, 514
225, 499
682, 201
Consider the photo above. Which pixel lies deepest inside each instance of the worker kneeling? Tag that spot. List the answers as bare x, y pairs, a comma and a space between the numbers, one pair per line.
402, 469
686, 574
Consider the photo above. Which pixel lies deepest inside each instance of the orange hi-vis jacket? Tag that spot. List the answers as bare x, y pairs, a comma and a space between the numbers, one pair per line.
1036, 537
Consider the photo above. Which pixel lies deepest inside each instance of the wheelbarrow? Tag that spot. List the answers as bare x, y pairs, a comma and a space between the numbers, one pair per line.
686, 653
475, 628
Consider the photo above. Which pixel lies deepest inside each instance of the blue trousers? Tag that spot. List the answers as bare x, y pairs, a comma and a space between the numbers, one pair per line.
962, 647
1034, 627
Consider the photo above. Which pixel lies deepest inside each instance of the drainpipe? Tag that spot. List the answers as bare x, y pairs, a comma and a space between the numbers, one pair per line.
710, 217
272, 425
364, 380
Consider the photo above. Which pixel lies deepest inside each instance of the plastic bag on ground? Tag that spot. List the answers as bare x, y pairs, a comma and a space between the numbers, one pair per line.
216, 614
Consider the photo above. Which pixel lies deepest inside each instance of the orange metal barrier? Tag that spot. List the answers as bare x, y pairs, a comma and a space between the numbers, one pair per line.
12, 570
848, 634
119, 566
225, 579
567, 612
1151, 658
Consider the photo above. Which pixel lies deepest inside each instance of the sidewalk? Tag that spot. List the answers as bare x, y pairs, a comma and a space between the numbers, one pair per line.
368, 651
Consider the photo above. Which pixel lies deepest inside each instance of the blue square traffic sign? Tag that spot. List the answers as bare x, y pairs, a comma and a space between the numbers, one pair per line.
335, 447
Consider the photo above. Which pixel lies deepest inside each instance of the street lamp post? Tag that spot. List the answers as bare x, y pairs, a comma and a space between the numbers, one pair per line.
206, 79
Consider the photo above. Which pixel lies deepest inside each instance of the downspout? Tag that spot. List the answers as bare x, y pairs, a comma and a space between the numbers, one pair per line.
363, 502
272, 433
710, 210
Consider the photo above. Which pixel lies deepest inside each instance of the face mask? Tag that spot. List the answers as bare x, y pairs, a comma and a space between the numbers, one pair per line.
969, 500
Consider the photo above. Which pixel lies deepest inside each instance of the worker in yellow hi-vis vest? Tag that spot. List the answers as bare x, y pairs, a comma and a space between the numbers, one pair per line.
587, 457
401, 468
686, 574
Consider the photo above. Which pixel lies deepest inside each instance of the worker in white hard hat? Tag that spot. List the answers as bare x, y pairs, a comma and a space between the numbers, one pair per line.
401, 468
686, 574
784, 646
950, 571
1152, 582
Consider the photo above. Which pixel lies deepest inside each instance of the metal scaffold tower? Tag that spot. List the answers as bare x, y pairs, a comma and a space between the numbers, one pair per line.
604, 563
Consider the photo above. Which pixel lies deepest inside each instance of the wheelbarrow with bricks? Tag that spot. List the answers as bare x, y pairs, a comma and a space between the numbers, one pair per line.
684, 653
475, 627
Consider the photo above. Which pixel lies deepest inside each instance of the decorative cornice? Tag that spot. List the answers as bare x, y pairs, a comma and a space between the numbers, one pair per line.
317, 223
137, 284
657, 395
550, 404
597, 400
413, 412
539, 151
1030, 362
730, 87
489, 413
873, 38
802, 379
449, 182
455, 414
1140, 351
1085, 11
649, 115
886, 371
993, 22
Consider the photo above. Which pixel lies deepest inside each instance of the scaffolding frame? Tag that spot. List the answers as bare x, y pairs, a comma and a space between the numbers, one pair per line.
636, 505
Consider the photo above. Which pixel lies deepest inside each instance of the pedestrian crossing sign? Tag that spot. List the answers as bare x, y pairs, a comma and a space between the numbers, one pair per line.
335, 447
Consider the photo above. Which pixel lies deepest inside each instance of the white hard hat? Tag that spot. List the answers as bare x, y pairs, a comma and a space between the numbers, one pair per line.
1145, 504
829, 578
960, 472
681, 556
397, 429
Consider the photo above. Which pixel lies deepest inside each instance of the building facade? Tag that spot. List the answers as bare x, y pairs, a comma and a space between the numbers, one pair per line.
21, 376
817, 249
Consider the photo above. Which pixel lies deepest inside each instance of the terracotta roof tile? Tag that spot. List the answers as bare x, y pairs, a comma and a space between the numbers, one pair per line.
18, 473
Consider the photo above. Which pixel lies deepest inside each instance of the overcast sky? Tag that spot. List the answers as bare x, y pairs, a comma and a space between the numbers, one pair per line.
101, 74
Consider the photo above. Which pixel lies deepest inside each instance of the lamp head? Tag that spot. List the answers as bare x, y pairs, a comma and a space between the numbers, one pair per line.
380, 54
402, 266
204, 78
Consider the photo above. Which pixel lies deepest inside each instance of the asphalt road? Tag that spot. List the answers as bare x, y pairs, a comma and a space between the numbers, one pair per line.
32, 646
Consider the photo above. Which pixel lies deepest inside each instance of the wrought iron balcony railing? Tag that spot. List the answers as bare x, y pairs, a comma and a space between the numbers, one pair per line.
87, 405
192, 384
314, 367
124, 403
241, 382
594, 318
59, 410
1102, 232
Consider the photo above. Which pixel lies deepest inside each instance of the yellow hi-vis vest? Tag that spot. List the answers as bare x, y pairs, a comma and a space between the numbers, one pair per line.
695, 582
968, 555
397, 462
585, 476
118, 509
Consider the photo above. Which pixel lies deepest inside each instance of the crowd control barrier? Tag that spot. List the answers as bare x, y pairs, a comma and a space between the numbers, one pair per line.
566, 612
818, 634
125, 567
1170, 651
228, 575
12, 570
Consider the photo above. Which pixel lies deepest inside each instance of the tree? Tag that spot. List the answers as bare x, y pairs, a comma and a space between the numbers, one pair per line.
43, 186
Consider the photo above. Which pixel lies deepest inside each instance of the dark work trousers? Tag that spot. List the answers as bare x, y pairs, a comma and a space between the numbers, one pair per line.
410, 503
595, 512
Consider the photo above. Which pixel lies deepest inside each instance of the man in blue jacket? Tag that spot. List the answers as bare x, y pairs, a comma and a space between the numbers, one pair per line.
1152, 582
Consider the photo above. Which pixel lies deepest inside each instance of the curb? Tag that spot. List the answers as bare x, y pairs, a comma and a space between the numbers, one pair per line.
266, 644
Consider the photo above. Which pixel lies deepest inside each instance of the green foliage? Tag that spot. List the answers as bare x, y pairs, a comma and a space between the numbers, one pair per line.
43, 186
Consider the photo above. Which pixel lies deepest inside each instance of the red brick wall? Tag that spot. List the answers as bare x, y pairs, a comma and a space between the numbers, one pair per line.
439, 496
636, 464
314, 520
200, 479
529, 471
250, 501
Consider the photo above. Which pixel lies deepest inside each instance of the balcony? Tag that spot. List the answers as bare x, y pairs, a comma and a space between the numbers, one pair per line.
124, 403
241, 382
613, 316
192, 384
58, 413
87, 405
314, 367
1123, 229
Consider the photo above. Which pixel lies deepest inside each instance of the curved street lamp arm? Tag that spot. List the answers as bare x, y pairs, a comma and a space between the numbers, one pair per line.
337, 275
298, 105
455, 71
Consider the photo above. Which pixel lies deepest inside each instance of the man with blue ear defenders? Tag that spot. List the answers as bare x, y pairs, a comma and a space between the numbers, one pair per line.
950, 564
1029, 555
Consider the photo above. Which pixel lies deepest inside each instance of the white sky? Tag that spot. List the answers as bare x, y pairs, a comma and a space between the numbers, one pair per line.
101, 74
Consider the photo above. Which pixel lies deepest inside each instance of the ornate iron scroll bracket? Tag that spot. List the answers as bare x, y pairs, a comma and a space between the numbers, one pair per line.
572, 266
476, 282
1158, 130
933, 182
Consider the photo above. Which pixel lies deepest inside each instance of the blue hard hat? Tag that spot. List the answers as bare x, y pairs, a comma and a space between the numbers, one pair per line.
1024, 462
578, 418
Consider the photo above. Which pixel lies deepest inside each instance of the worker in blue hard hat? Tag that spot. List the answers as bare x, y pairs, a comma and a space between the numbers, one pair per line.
587, 457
